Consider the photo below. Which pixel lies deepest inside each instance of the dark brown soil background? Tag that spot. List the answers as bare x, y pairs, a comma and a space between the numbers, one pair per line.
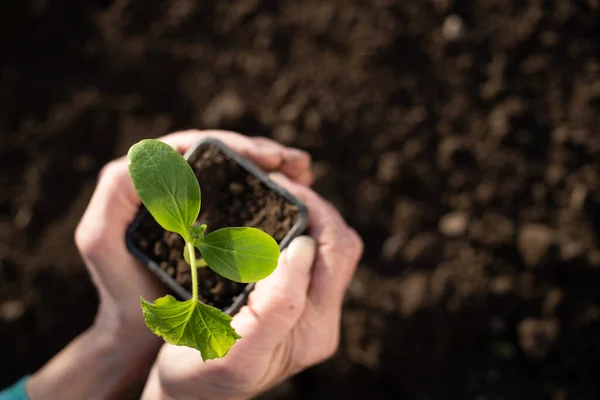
460, 138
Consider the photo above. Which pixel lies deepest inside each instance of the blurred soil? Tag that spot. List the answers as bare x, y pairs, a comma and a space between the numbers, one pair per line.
459, 137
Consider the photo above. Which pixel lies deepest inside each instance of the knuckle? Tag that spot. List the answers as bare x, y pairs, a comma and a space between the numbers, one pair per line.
328, 345
89, 241
223, 134
79, 237
331, 351
187, 132
299, 363
264, 140
356, 244
305, 159
217, 132
108, 171
178, 134
349, 246
332, 345
327, 350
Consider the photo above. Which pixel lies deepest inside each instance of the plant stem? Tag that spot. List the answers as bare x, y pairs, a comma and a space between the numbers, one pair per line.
192, 255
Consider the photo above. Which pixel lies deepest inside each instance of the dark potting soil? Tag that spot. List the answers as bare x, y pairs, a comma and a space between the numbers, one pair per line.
230, 197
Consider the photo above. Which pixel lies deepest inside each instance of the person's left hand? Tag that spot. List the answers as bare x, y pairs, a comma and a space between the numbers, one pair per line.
119, 341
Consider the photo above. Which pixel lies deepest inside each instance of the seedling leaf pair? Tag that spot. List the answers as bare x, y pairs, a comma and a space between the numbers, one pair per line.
168, 187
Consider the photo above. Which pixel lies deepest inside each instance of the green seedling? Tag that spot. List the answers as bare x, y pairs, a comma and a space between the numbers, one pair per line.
170, 191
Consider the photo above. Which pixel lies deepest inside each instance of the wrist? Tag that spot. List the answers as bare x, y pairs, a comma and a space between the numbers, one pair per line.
127, 334
98, 364
134, 351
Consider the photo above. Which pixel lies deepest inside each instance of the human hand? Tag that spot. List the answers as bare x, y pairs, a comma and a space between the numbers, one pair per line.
118, 276
291, 322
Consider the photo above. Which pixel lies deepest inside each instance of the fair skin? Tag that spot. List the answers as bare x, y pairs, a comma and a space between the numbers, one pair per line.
291, 321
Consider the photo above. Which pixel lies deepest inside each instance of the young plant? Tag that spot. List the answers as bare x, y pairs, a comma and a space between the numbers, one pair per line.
170, 191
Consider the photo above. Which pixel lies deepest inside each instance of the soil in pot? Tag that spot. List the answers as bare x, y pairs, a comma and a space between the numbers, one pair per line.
230, 197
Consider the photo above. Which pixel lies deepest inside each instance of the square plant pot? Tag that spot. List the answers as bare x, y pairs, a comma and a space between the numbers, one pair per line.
235, 192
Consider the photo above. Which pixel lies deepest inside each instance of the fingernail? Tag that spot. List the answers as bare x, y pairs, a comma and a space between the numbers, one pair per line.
278, 177
268, 151
301, 251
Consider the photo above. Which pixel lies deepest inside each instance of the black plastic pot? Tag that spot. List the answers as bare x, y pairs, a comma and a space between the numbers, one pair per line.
297, 229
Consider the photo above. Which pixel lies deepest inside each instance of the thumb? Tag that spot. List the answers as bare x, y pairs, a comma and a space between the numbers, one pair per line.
278, 301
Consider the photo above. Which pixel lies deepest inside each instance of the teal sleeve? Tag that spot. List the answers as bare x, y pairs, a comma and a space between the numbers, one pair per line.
16, 391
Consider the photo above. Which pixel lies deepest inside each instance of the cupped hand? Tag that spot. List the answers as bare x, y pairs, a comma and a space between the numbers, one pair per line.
291, 321
100, 236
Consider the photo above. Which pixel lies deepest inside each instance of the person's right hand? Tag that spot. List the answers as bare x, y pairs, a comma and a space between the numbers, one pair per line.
292, 319
119, 348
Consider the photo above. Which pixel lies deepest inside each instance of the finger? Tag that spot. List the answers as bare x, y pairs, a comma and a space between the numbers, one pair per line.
152, 387
307, 178
278, 301
266, 153
268, 158
112, 207
295, 163
338, 247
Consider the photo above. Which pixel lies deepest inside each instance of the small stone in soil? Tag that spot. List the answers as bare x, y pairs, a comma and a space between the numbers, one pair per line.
534, 241
453, 27
537, 336
502, 284
173, 240
170, 270
570, 248
11, 310
425, 247
175, 255
391, 247
160, 250
388, 167
225, 108
236, 188
218, 289
454, 224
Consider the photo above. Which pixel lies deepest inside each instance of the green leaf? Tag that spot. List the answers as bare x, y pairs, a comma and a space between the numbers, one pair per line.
192, 324
240, 254
166, 185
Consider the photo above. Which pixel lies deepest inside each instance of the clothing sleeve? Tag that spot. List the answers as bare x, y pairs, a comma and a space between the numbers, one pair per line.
16, 391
